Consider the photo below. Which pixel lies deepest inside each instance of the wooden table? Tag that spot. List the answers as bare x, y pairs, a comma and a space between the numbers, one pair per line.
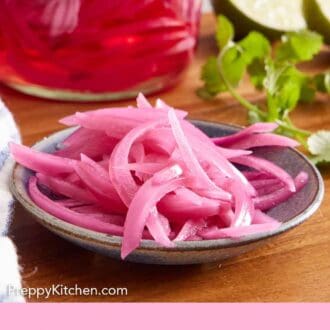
293, 267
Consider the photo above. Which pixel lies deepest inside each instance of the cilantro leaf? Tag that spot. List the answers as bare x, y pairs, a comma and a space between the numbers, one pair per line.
277, 73
319, 146
234, 58
213, 83
233, 65
224, 31
254, 46
299, 46
257, 73
283, 83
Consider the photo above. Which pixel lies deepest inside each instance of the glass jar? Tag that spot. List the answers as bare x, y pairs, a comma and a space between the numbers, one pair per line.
95, 49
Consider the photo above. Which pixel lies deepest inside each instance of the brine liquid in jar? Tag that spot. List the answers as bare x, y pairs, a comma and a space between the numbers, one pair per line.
96, 49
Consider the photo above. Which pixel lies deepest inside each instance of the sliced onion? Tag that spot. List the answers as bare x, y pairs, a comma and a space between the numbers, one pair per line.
70, 216
41, 162
191, 161
261, 140
143, 202
267, 202
157, 229
120, 174
65, 188
264, 165
253, 129
146, 173
237, 232
190, 229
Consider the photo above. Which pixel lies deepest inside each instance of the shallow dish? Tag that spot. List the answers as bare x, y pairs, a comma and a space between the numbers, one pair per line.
291, 213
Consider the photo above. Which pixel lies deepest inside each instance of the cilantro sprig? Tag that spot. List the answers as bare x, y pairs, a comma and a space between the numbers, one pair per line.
276, 73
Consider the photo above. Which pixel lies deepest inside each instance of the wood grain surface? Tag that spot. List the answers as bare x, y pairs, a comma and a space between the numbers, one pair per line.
292, 267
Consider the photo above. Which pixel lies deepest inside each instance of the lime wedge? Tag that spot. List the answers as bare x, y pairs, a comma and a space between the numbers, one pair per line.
272, 17
317, 14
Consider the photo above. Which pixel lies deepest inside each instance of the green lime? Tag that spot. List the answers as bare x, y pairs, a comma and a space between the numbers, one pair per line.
272, 17
317, 14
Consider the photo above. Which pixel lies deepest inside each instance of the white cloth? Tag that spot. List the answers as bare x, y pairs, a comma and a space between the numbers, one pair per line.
9, 269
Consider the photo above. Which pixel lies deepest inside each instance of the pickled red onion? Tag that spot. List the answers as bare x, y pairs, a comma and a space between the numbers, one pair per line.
147, 173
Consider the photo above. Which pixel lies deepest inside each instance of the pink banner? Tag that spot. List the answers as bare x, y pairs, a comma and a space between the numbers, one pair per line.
165, 316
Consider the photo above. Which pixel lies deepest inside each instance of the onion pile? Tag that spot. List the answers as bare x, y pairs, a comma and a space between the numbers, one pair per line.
146, 172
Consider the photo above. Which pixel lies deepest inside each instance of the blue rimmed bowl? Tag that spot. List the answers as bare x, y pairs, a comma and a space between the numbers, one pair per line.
293, 212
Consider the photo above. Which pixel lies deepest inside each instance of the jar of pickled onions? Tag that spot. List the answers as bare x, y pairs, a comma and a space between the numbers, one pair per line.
95, 49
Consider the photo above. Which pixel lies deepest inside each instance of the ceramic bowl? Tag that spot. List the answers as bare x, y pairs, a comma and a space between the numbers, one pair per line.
291, 213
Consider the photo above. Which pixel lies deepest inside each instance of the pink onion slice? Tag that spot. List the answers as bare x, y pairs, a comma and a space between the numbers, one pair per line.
162, 106
256, 175
39, 161
100, 175
68, 215
231, 153
129, 117
120, 174
267, 202
160, 141
189, 229
237, 232
264, 139
73, 178
142, 102
157, 230
66, 188
71, 203
243, 206
227, 216
95, 144
191, 161
269, 189
263, 182
253, 129
115, 126
146, 168
261, 218
107, 114
78, 137
185, 204
143, 202
264, 165
242, 179
94, 210
95, 178
137, 153
206, 151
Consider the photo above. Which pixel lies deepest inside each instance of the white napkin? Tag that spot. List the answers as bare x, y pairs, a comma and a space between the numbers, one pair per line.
10, 281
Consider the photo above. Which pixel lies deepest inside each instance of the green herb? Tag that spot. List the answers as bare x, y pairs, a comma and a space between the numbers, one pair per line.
299, 46
284, 84
319, 146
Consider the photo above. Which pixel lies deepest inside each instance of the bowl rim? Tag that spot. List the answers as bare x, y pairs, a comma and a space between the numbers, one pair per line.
59, 226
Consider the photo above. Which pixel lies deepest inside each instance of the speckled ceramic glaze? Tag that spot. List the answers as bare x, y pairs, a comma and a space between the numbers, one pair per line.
291, 213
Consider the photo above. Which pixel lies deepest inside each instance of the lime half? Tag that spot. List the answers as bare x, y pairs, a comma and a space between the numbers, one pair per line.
317, 13
272, 17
